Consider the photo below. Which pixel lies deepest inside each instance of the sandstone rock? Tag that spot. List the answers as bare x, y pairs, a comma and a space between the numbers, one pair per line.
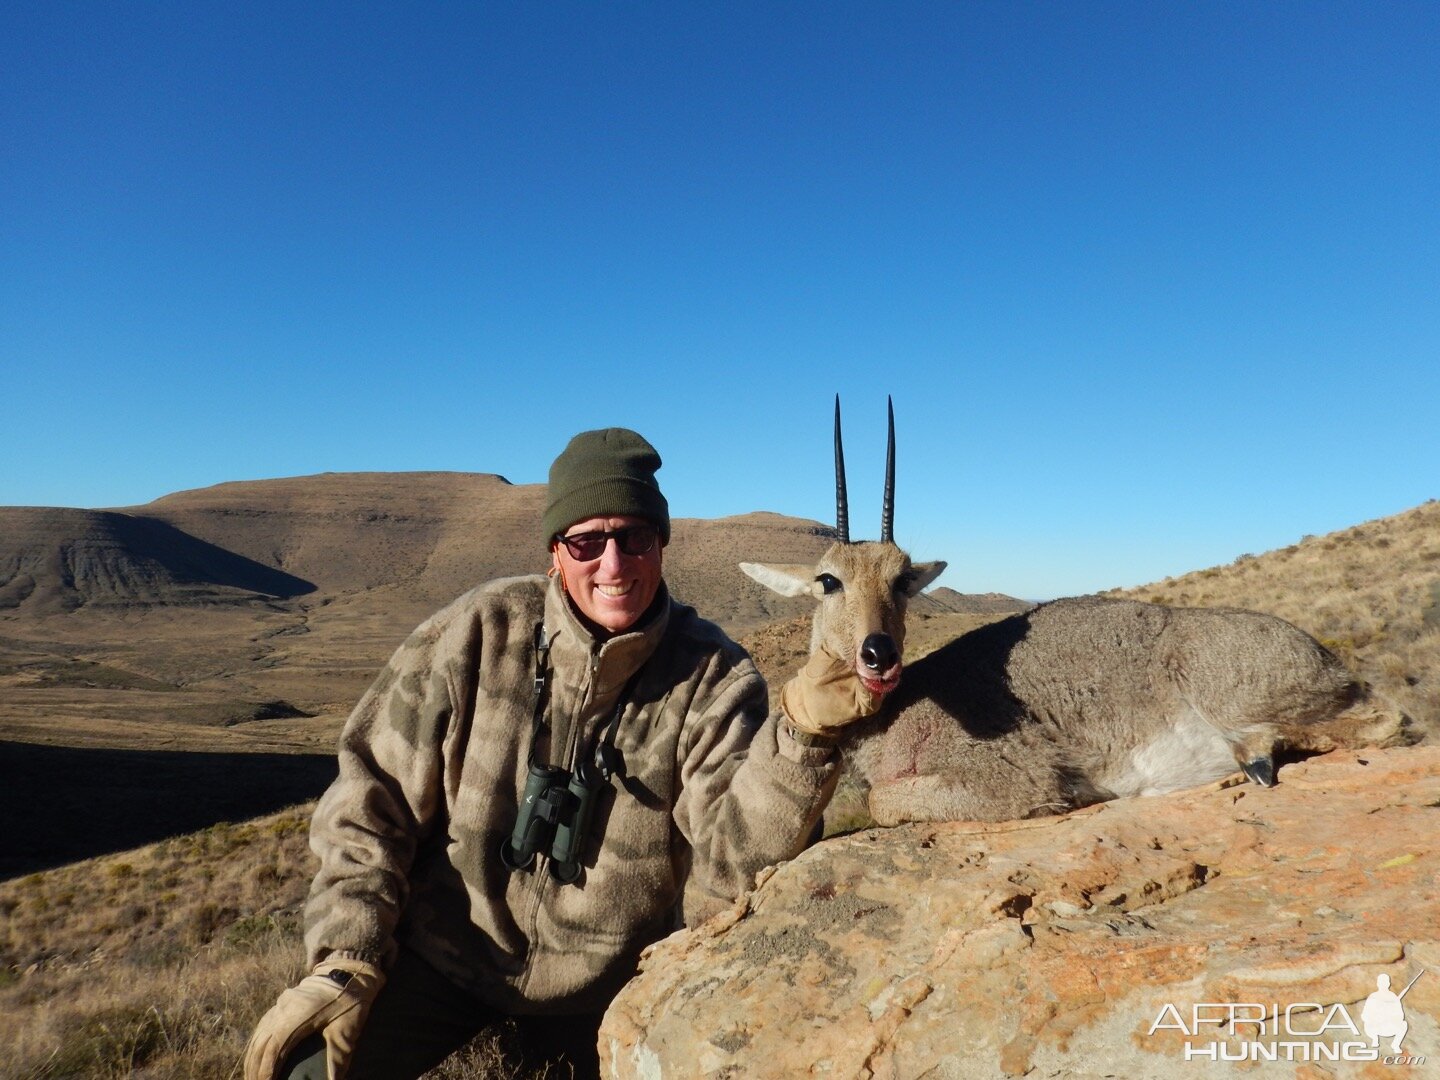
1075, 946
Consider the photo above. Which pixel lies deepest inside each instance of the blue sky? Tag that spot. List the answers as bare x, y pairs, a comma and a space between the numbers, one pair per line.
1153, 284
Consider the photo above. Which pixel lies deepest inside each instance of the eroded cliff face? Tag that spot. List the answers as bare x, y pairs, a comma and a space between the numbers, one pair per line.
1101, 943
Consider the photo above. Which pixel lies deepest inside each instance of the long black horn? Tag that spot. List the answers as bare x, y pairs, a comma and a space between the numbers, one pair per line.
842, 504
887, 508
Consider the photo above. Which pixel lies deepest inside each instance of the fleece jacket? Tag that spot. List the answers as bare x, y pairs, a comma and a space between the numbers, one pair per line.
433, 764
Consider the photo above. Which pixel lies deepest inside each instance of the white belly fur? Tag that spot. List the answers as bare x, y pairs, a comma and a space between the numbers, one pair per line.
1189, 753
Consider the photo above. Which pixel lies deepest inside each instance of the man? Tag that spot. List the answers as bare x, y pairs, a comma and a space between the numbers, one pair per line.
547, 777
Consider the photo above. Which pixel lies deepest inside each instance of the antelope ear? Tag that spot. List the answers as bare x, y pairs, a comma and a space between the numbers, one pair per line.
787, 580
922, 574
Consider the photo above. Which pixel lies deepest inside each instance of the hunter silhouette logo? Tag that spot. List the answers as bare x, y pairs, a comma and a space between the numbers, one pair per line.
1383, 1016
1300, 1031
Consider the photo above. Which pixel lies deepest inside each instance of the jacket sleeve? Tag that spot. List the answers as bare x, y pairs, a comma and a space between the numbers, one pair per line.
750, 796
384, 803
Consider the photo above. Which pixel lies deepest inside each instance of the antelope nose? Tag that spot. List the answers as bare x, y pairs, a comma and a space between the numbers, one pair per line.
878, 652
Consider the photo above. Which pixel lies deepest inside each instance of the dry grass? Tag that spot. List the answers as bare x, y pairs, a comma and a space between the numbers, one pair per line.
153, 962
1370, 594
157, 962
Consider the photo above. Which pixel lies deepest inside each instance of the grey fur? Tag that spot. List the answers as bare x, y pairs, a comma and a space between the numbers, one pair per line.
1088, 699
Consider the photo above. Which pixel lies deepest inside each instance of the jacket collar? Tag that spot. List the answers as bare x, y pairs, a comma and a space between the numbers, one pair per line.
613, 660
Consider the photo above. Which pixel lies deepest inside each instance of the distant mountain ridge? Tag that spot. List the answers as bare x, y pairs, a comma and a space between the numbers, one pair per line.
252, 614
945, 599
55, 559
417, 539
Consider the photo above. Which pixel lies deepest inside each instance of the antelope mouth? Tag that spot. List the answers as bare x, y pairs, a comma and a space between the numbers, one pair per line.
880, 684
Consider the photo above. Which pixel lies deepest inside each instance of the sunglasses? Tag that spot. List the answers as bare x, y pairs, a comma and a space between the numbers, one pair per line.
589, 546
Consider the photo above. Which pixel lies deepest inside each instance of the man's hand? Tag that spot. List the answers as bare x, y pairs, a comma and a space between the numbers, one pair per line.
334, 999
827, 695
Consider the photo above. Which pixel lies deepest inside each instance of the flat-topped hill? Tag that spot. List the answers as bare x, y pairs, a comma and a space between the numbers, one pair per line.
436, 533
259, 610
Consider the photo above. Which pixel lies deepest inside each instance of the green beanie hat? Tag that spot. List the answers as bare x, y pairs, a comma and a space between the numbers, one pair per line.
605, 473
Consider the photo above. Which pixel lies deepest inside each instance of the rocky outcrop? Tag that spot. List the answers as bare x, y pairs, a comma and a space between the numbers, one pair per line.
54, 559
1151, 937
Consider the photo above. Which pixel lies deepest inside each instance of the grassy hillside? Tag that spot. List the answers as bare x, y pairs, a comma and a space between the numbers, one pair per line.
156, 962
1371, 594
152, 962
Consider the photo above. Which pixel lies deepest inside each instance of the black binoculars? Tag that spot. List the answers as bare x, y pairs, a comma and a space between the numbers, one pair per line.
554, 816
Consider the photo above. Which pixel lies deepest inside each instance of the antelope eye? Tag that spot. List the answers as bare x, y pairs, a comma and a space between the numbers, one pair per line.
829, 583
904, 583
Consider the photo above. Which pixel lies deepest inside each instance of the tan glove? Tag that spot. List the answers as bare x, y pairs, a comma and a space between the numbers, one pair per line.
826, 695
334, 999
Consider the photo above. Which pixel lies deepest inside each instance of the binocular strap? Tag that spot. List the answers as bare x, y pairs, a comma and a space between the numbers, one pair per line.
555, 811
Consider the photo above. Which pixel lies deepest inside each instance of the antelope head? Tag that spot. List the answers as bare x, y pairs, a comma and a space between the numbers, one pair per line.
863, 588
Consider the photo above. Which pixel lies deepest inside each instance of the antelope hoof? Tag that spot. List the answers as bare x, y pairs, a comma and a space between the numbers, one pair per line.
1260, 771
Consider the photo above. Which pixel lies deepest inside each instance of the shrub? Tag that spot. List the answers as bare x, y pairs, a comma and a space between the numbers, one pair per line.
261, 931
206, 920
112, 1042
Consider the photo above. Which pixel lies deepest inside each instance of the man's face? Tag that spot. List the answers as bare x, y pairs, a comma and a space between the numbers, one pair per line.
614, 589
